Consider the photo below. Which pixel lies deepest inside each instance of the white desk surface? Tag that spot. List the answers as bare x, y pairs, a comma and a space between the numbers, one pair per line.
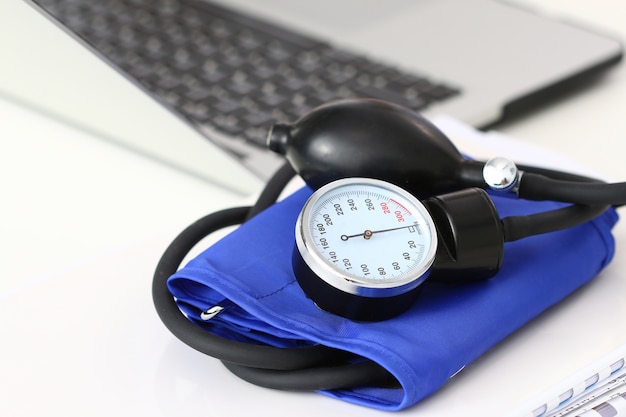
83, 222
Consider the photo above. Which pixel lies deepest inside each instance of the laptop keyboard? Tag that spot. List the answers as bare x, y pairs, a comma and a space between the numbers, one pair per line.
228, 72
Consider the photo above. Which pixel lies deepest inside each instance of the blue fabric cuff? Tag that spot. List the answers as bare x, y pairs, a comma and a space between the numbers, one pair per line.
447, 328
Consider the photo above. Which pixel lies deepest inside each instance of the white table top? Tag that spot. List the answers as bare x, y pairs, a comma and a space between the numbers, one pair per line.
83, 223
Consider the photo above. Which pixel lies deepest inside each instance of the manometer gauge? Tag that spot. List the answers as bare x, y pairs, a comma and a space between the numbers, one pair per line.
363, 248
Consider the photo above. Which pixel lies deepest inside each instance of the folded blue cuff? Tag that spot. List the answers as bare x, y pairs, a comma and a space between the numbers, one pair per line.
447, 328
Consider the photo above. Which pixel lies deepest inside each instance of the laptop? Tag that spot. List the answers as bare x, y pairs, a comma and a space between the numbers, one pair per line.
196, 84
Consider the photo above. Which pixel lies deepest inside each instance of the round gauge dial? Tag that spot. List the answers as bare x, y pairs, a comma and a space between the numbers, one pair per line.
363, 241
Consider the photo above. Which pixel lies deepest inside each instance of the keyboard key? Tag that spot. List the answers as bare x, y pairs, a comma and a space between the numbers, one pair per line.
416, 103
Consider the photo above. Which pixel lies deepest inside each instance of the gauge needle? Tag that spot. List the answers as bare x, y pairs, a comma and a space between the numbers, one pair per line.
367, 234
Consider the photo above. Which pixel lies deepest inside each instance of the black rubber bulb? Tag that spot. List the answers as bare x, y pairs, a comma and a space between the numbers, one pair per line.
374, 139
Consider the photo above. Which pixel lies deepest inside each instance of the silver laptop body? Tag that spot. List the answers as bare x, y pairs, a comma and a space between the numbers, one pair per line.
500, 57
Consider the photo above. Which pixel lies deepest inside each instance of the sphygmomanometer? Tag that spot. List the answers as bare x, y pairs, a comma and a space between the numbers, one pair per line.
394, 226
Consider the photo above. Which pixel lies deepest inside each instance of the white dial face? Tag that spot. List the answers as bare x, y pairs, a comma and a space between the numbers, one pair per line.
368, 232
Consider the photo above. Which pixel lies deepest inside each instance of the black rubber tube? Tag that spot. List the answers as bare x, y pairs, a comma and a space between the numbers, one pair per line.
558, 175
231, 351
539, 187
519, 227
322, 378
